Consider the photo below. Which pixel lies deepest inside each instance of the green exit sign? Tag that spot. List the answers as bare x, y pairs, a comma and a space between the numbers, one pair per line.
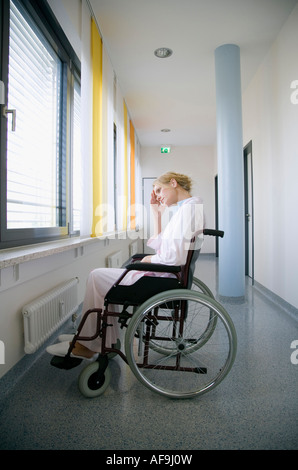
165, 149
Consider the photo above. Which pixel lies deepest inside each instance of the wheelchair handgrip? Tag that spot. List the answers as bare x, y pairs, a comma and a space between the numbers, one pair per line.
213, 233
154, 267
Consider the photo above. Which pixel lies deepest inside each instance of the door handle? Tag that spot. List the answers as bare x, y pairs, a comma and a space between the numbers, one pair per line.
14, 116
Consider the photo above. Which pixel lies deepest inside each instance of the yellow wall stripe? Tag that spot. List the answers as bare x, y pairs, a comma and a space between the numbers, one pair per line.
96, 51
125, 182
132, 178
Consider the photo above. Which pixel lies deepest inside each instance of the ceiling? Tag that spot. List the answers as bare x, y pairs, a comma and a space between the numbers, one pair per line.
178, 93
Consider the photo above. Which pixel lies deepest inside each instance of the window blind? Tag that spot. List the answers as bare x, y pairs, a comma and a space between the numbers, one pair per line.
77, 178
33, 150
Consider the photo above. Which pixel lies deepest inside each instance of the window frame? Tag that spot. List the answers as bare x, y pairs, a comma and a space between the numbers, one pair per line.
42, 15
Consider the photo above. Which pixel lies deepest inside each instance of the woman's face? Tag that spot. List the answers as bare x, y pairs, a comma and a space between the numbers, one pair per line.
166, 195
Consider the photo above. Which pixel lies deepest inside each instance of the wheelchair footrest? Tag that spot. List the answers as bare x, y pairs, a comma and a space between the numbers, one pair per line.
65, 362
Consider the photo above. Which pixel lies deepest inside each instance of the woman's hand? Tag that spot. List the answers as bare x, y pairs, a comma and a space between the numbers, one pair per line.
156, 206
157, 211
154, 199
146, 259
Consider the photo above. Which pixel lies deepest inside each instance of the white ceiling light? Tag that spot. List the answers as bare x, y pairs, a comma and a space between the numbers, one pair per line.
163, 52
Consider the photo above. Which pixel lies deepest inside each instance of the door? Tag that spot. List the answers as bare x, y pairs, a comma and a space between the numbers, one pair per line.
216, 215
249, 211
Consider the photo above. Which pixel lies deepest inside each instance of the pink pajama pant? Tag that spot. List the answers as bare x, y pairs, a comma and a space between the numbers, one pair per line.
98, 284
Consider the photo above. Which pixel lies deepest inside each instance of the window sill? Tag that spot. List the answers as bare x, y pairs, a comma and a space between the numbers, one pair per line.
13, 256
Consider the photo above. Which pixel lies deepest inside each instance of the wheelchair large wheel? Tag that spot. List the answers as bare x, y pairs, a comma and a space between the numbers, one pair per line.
200, 286
185, 372
191, 318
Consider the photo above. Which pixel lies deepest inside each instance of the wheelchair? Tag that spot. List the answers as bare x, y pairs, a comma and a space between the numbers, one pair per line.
179, 341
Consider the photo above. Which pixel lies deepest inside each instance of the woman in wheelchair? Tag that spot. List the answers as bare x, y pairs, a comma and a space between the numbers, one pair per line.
170, 244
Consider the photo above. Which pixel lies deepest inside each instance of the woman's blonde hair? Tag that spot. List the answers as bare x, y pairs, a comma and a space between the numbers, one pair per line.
184, 181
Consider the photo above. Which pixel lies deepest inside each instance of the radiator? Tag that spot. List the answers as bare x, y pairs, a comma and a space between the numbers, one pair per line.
115, 260
44, 315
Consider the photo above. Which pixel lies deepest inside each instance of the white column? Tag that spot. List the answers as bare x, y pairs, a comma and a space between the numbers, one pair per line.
231, 281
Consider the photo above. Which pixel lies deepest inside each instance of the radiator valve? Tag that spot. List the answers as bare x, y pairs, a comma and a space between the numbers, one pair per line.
74, 317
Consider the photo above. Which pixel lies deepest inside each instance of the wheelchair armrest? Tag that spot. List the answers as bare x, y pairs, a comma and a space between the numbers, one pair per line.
153, 267
133, 259
139, 255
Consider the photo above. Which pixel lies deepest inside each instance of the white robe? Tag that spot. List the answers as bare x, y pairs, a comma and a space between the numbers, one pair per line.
171, 248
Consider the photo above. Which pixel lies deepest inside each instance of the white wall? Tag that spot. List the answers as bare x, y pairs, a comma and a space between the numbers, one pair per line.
197, 162
270, 120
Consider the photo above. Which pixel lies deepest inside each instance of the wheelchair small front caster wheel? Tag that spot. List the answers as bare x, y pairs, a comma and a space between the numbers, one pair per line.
92, 383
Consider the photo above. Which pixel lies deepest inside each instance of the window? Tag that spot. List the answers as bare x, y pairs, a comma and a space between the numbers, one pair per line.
40, 138
115, 178
76, 169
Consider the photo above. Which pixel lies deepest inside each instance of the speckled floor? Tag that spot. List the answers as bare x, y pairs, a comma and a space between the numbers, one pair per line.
255, 407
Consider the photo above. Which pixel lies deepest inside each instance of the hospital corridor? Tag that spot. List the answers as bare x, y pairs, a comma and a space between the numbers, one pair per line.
148, 226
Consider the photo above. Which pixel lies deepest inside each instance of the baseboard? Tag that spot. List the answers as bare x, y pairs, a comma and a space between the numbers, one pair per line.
276, 300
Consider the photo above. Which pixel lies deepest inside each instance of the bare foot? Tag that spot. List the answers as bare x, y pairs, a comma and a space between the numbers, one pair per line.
80, 350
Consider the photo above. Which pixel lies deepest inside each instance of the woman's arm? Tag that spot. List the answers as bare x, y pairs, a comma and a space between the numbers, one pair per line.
157, 210
186, 223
